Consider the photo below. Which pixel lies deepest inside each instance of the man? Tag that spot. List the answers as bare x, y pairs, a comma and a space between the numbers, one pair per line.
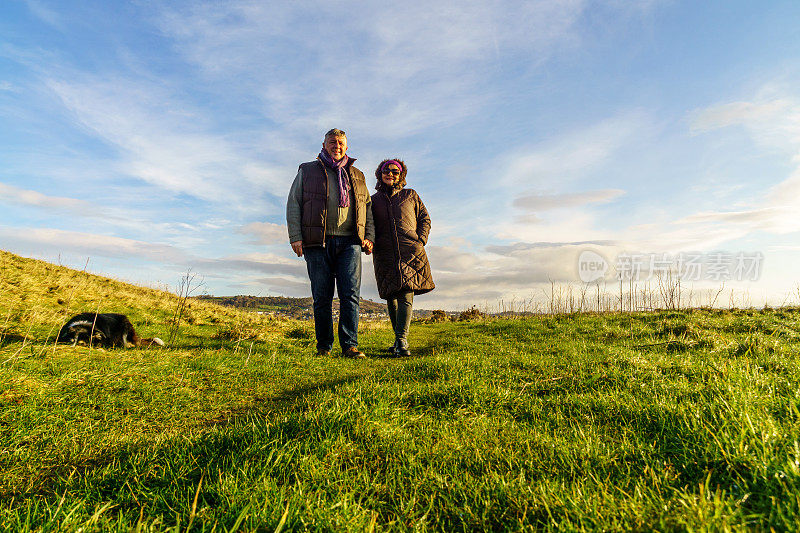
329, 216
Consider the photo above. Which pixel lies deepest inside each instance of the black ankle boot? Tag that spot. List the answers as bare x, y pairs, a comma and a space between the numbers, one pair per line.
401, 348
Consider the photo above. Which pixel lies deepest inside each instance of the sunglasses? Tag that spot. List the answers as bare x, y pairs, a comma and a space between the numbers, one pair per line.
391, 172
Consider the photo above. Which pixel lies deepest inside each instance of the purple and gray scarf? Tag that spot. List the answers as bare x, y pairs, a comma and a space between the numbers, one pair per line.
344, 180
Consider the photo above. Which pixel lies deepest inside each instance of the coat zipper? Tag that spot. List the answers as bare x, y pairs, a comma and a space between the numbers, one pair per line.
325, 207
396, 237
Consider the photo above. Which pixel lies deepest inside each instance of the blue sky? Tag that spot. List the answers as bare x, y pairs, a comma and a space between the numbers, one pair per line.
152, 137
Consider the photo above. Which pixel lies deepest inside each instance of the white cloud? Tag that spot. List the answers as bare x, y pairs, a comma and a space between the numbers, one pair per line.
279, 286
526, 176
572, 155
773, 123
16, 196
78, 213
253, 262
315, 65
519, 248
560, 226
735, 113
729, 225
90, 244
522, 270
165, 141
452, 258
755, 218
544, 202
266, 232
52, 242
45, 14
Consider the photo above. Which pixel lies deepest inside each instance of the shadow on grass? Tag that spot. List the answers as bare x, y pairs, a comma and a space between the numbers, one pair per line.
59, 477
11, 338
292, 399
416, 353
441, 343
668, 436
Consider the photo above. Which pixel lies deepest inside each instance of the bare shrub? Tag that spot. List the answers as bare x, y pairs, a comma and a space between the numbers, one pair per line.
238, 331
438, 316
299, 333
186, 287
471, 314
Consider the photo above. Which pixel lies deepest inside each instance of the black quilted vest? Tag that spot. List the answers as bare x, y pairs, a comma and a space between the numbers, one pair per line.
315, 202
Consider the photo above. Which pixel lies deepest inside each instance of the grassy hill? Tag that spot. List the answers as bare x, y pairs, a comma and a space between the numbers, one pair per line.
679, 420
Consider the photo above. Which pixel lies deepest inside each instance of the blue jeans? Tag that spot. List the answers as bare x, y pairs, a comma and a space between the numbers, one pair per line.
337, 263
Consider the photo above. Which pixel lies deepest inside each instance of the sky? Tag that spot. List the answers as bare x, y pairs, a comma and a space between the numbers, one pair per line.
145, 139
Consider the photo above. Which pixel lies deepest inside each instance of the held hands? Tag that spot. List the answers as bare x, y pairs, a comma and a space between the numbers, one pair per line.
297, 246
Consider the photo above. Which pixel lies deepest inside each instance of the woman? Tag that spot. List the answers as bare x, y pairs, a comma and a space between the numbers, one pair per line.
401, 231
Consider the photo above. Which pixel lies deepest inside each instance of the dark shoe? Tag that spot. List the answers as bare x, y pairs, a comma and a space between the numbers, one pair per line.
391, 352
353, 352
324, 353
401, 348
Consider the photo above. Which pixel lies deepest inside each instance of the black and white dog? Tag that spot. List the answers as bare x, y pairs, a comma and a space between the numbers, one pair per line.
105, 329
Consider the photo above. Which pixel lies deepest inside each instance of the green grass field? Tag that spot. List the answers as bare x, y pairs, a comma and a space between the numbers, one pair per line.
681, 420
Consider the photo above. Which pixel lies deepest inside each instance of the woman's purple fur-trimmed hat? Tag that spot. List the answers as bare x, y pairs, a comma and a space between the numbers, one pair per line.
392, 162
400, 182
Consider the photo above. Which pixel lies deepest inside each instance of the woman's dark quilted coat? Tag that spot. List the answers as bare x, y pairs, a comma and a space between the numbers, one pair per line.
402, 225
